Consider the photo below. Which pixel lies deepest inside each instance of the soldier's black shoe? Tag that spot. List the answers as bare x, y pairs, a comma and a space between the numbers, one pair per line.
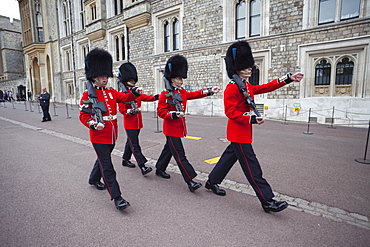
121, 203
162, 174
274, 206
128, 163
145, 170
98, 185
193, 185
215, 188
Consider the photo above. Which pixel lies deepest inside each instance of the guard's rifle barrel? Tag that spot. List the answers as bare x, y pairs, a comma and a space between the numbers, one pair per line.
244, 91
176, 97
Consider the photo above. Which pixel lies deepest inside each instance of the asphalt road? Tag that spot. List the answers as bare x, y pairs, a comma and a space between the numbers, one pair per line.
46, 200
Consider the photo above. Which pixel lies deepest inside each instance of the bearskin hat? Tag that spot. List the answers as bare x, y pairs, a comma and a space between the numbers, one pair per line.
238, 57
177, 66
126, 72
98, 62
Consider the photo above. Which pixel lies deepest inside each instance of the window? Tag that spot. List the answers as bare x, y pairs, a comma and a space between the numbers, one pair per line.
329, 10
93, 12
322, 73
83, 49
40, 30
66, 18
118, 7
82, 14
118, 43
168, 30
245, 18
240, 20
255, 77
344, 72
255, 18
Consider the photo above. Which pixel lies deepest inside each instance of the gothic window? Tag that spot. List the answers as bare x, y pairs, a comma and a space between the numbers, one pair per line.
93, 11
175, 33
255, 77
240, 20
344, 72
82, 14
68, 61
117, 47
255, 18
40, 30
168, 30
66, 18
123, 47
330, 9
118, 44
118, 7
322, 73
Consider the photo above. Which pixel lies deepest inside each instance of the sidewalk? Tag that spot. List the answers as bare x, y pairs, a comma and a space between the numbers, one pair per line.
46, 199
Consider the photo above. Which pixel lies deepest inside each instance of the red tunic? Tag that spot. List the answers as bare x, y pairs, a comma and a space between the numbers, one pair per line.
134, 122
239, 128
110, 97
175, 127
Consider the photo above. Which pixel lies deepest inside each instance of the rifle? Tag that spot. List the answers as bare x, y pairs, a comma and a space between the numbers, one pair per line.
244, 91
176, 97
125, 90
98, 108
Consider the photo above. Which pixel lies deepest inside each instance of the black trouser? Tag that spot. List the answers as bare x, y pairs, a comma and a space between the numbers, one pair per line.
250, 165
174, 147
45, 112
133, 147
103, 167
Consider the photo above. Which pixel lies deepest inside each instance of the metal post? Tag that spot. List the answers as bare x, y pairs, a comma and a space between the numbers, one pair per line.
67, 111
286, 108
25, 106
154, 111
308, 126
367, 142
332, 120
31, 106
55, 113
157, 131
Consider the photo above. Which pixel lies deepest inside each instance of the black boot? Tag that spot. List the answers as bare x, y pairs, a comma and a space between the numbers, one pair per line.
145, 170
121, 203
274, 206
98, 185
128, 163
215, 188
162, 174
193, 185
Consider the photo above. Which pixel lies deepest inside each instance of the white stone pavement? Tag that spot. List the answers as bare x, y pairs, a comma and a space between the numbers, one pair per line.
295, 203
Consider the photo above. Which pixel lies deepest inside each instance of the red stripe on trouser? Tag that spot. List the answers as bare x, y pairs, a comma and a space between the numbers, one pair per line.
132, 147
102, 174
250, 172
179, 160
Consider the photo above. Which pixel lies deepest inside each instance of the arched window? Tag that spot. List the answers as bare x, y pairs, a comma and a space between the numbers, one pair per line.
255, 18
117, 47
322, 73
240, 20
40, 30
344, 72
123, 48
166, 36
255, 77
176, 38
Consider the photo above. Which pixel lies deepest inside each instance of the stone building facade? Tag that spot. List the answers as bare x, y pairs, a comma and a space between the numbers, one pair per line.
326, 40
12, 76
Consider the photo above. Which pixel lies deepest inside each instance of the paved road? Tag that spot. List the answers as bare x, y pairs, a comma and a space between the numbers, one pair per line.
46, 200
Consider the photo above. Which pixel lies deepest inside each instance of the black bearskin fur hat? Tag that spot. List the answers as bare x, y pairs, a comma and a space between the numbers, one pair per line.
126, 72
177, 66
98, 62
238, 57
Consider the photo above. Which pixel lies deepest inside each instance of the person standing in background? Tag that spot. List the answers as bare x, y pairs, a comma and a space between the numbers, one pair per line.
44, 103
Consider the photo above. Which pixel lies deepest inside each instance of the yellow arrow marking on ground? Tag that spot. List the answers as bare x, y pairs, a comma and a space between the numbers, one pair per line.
193, 137
213, 160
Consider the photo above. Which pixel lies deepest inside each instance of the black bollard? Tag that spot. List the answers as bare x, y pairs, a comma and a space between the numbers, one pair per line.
286, 108
367, 142
332, 120
308, 126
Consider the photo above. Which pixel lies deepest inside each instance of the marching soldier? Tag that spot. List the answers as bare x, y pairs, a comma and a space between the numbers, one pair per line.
239, 60
98, 113
132, 118
171, 107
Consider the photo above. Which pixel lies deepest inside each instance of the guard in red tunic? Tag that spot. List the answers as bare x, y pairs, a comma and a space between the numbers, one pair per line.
132, 117
103, 127
239, 60
171, 107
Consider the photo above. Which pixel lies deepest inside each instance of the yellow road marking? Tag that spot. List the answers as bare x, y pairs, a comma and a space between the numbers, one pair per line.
193, 137
213, 160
